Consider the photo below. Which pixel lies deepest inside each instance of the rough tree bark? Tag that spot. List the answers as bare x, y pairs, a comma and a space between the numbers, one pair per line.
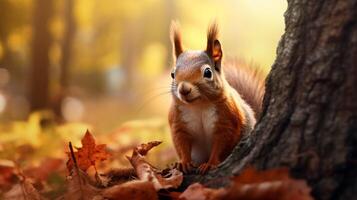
309, 119
39, 71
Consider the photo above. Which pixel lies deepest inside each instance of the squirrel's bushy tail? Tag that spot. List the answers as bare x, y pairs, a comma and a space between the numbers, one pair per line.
248, 80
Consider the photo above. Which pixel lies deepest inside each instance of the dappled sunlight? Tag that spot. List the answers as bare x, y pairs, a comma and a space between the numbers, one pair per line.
104, 66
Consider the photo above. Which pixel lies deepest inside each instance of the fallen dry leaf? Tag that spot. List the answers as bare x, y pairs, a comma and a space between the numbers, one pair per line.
197, 191
118, 176
269, 184
173, 195
7, 174
143, 149
274, 184
23, 191
88, 154
251, 175
79, 187
133, 190
147, 172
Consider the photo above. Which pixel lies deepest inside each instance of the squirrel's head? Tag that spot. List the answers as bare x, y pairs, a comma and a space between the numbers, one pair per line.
197, 74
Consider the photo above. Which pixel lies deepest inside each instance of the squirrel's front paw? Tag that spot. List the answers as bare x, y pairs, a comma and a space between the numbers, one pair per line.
185, 167
205, 167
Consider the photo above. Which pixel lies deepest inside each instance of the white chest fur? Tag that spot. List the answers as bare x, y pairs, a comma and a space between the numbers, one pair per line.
200, 122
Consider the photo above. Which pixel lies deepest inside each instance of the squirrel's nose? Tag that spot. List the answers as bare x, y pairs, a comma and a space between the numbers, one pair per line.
184, 90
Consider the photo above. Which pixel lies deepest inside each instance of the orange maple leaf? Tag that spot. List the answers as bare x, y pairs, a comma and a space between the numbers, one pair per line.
88, 154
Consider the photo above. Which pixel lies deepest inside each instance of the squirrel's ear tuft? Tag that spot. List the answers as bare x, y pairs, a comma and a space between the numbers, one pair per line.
176, 40
214, 49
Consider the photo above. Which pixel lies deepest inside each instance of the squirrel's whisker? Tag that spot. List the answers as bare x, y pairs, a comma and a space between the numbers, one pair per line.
150, 99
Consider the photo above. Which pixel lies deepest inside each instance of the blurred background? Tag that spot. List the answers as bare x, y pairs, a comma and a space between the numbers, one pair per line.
69, 65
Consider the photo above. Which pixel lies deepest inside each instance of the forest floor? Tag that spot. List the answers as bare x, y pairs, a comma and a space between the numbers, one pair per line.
38, 163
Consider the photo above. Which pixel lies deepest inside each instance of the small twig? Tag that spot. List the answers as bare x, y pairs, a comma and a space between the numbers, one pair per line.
97, 178
76, 167
23, 190
22, 178
73, 157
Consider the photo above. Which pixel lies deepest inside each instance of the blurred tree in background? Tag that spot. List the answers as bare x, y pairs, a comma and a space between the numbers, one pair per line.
40, 63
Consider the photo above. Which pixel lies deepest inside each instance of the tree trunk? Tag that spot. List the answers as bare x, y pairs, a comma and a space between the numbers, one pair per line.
309, 119
66, 49
39, 71
10, 20
4, 58
4, 32
67, 42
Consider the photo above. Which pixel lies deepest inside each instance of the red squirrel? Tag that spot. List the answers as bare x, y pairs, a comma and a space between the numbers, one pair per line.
214, 103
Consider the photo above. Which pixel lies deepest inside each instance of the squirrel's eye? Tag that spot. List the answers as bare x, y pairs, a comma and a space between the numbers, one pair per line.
172, 75
207, 73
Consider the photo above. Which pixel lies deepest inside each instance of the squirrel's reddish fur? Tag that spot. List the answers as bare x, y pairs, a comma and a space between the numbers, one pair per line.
248, 80
214, 102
